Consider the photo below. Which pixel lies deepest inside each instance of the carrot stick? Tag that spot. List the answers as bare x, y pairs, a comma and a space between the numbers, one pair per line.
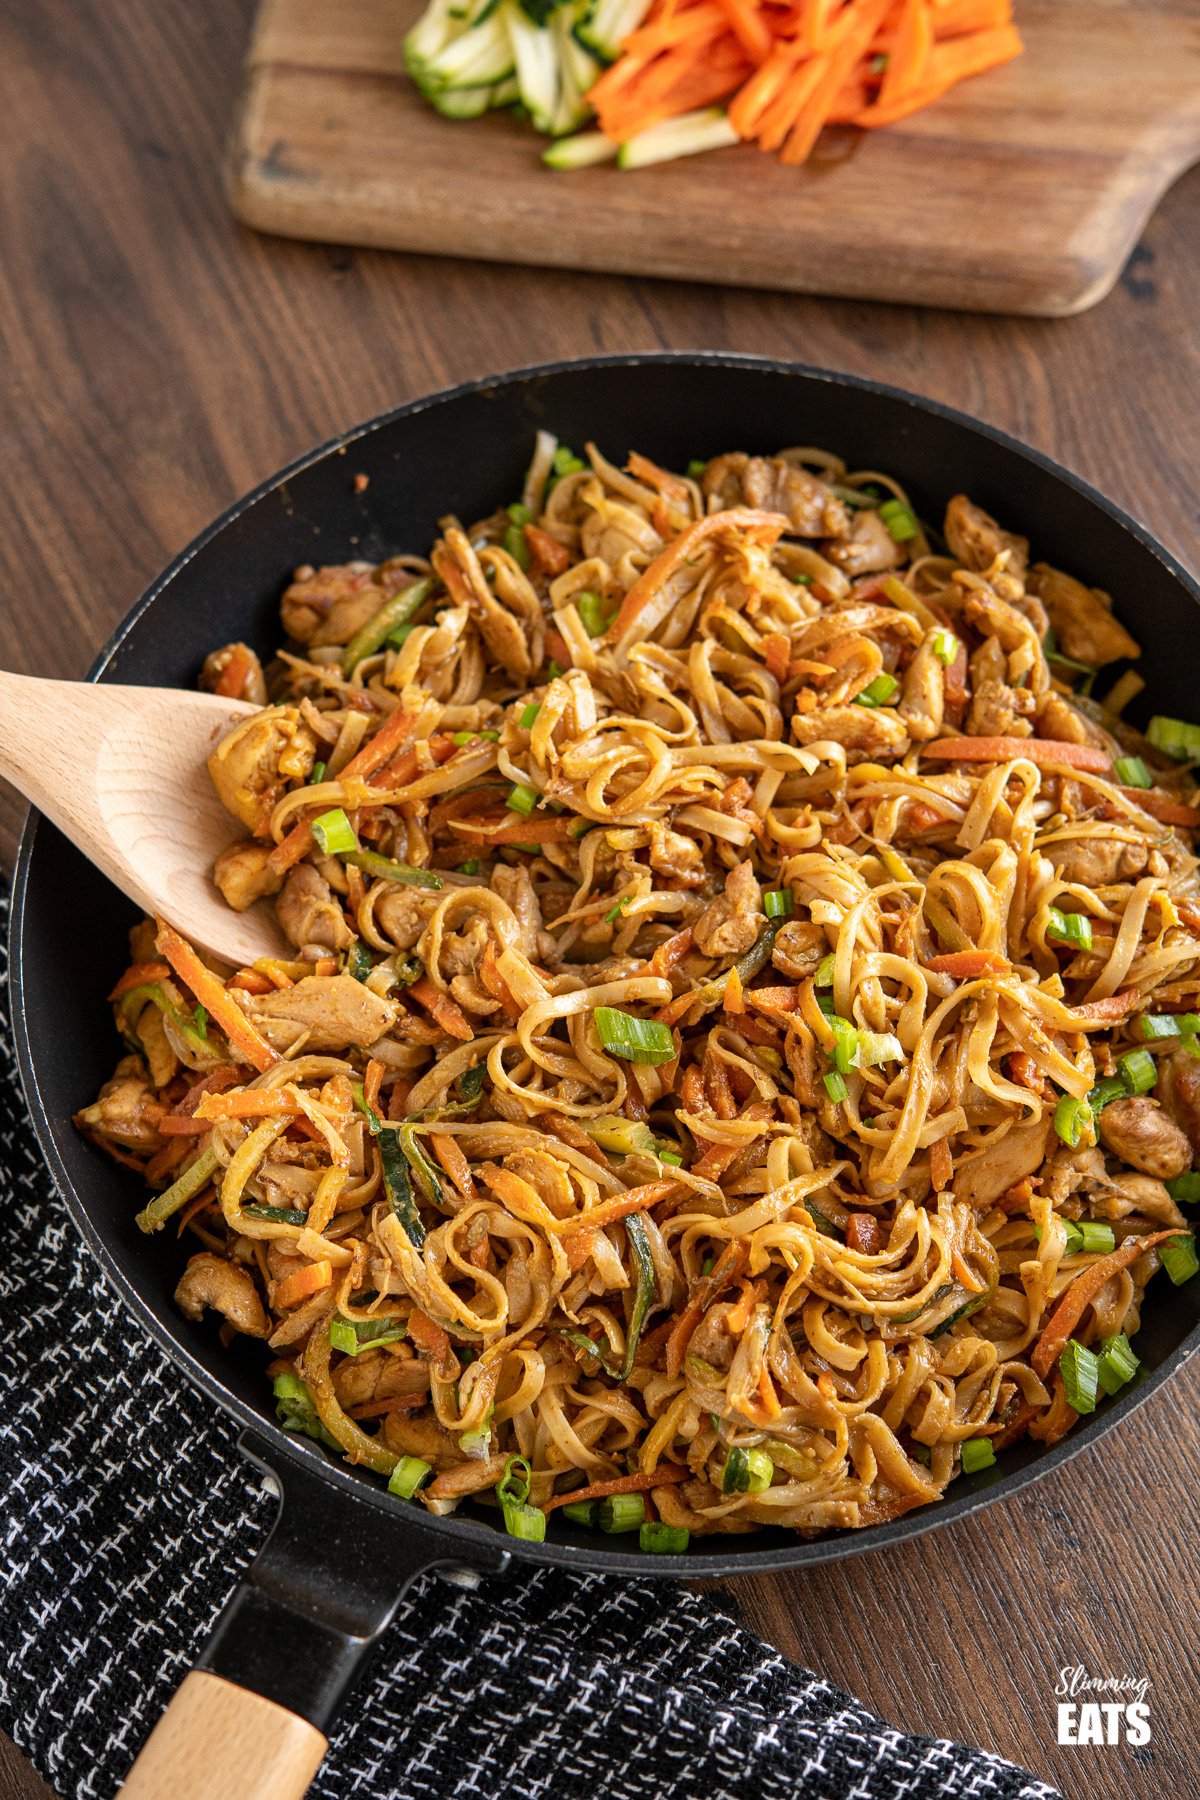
449, 1154
623, 1484
774, 999
941, 1165
661, 480
511, 828
391, 737
428, 1335
211, 994
764, 526
862, 20
1042, 751
372, 1077
448, 1013
1082, 1292
304, 1282
1163, 807
750, 28
909, 54
250, 1103
777, 654
139, 975
966, 965
672, 950
291, 848
638, 1199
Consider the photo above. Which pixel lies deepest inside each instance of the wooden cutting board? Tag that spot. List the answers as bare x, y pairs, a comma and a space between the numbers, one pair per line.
1022, 191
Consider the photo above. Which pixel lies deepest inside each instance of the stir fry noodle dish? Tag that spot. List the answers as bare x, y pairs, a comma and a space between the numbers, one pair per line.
734, 1066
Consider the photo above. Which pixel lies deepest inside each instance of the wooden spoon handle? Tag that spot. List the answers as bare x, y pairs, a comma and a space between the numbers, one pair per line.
220, 1742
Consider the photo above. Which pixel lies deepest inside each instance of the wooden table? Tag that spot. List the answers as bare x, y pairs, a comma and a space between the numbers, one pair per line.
158, 360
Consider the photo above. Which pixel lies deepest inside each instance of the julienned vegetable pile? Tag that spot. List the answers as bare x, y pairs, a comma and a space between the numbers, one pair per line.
739, 1059
666, 78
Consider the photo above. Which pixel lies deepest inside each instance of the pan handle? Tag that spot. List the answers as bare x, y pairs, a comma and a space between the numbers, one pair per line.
252, 1717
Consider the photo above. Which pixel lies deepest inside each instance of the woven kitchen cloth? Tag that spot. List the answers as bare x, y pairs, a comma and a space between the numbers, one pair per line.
127, 1513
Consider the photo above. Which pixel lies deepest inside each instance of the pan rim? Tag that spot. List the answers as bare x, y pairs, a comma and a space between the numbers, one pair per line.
978, 1491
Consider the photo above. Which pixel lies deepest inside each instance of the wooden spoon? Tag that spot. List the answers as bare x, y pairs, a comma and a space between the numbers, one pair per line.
121, 771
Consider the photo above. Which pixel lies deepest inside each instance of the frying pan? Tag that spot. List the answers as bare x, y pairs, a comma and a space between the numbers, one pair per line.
342, 1551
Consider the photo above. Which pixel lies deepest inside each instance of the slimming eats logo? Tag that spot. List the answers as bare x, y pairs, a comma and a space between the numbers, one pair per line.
1102, 1709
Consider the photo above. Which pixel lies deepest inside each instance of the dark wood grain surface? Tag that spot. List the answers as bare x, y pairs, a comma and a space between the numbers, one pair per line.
156, 359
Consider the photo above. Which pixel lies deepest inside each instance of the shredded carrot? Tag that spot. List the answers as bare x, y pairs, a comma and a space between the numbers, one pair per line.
140, 975
1103, 1012
777, 654
449, 1154
372, 1078
1163, 807
391, 737
577, 1248
663, 1476
941, 1165
251, 981
774, 999
763, 527
637, 1199
863, 1233
964, 1275
212, 995
1082, 1292
717, 1158
661, 480
448, 1013
291, 848
428, 1335
768, 1398
734, 1001
547, 556
729, 1266
250, 1103
232, 678
966, 965
1007, 749
742, 1310
671, 951
304, 1282
511, 828
497, 987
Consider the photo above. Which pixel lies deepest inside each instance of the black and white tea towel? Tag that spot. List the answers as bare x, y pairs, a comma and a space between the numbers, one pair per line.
127, 1514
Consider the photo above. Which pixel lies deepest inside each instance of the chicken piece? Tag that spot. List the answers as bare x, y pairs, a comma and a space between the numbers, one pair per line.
711, 1341
328, 605
1020, 1152
1082, 618
731, 923
1058, 719
1097, 861
516, 887
250, 684
378, 1375
332, 1012
611, 531
812, 508
402, 914
866, 733
467, 1478
976, 540
419, 1434
1141, 1194
867, 549
923, 696
998, 710
672, 854
126, 1111
1178, 1087
1142, 1134
228, 1289
309, 914
245, 765
244, 874
799, 948
1067, 1171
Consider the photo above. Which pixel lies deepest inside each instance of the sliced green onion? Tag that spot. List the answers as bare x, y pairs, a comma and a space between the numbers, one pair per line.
663, 1540
581, 1512
408, 969
614, 912
1090, 1237
1069, 928
835, 1087
1174, 737
1186, 1188
200, 1022
696, 468
624, 1137
1131, 771
637, 1040
385, 868
595, 614
1157, 1025
1118, 1362
354, 1335
409, 1474
674, 1157
459, 738
554, 669
621, 1512
334, 833
945, 647
179, 1193
1110, 1088
296, 1411
519, 513
976, 1454
1138, 1070
778, 903
317, 774
1071, 1116
476, 1444
566, 462
399, 610
1179, 1259
343, 1336
824, 975
522, 799
469, 868
525, 1522
876, 1047
899, 520
530, 714
512, 1489
746, 1472
878, 691
518, 549
1080, 1369
761, 1471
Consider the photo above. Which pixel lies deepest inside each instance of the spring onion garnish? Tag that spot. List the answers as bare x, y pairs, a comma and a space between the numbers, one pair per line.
469, 868
522, 799
385, 868
1138, 1070
1179, 1259
835, 1087
621, 1512
1109, 1088
581, 1512
409, 1474
401, 609
614, 912
674, 1157
1071, 1117
621, 1136
945, 647
1174, 737
334, 833
512, 1489
530, 714
877, 692
876, 1047
459, 738
1118, 1362
1186, 1188
695, 468
1081, 1376
317, 774
747, 1472
899, 520
295, 1410
179, 1193
595, 613
514, 543
663, 1540
778, 903
637, 1040
977, 1453
1088, 1237
350, 1336
1069, 928
519, 513
824, 975
565, 462
1131, 771
1157, 1025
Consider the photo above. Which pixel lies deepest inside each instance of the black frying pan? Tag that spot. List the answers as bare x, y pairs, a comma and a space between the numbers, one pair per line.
342, 1550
